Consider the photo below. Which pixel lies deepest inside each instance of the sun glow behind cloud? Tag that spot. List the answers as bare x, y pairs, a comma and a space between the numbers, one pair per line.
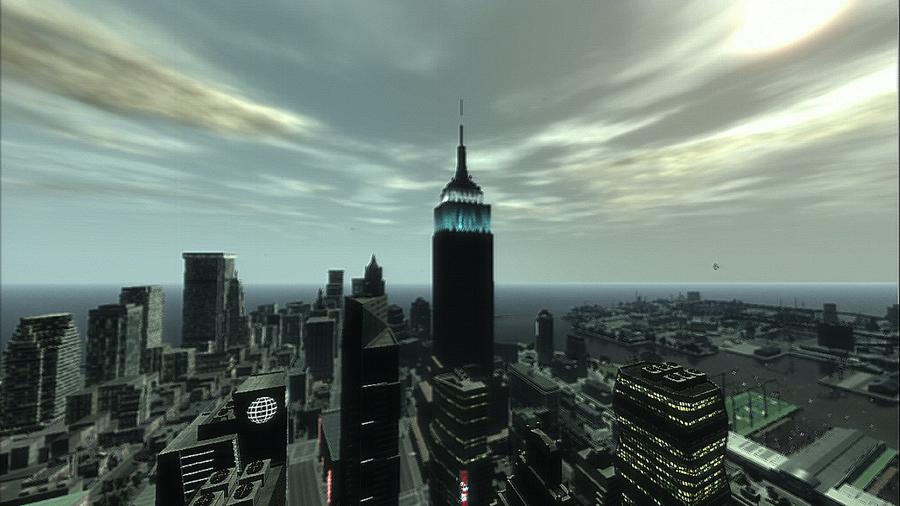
769, 25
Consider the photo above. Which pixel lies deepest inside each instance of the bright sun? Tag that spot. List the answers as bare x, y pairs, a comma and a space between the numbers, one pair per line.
768, 25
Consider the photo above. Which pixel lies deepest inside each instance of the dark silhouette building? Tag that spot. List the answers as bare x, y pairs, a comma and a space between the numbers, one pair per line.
318, 342
152, 300
420, 318
334, 290
242, 440
203, 313
537, 475
829, 313
672, 430
237, 322
836, 336
113, 342
543, 338
461, 469
40, 368
463, 274
370, 399
576, 350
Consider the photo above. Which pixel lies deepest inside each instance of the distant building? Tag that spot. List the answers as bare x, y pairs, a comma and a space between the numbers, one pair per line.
463, 274
207, 277
41, 368
537, 475
672, 431
829, 313
178, 364
370, 399
892, 315
318, 343
395, 319
420, 318
693, 296
126, 399
543, 338
576, 350
113, 347
836, 336
334, 290
531, 388
594, 477
152, 300
460, 460
237, 323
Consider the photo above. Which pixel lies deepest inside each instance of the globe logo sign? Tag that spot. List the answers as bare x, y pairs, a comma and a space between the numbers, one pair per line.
262, 409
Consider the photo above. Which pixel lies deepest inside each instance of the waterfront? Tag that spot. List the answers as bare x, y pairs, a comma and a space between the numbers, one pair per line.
793, 378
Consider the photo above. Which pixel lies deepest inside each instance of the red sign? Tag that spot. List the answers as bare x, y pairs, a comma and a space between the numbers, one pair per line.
464, 488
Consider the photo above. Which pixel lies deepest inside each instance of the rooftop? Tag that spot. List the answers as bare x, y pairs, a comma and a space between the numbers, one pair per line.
262, 381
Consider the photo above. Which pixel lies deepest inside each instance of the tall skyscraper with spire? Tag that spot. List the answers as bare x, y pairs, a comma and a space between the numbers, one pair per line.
463, 273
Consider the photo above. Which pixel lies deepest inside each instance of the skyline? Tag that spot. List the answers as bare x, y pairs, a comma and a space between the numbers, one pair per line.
614, 147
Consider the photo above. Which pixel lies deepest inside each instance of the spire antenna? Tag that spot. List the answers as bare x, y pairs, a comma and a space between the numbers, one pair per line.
460, 122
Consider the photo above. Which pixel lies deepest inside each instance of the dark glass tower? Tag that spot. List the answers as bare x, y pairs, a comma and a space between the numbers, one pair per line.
370, 398
543, 338
463, 273
203, 311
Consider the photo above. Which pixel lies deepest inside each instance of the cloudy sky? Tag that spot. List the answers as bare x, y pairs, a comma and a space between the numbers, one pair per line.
617, 141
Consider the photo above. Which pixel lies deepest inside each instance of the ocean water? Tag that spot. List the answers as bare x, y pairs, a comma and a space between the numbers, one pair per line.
515, 304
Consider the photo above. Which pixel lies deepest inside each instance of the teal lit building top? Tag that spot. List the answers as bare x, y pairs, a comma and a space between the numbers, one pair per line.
462, 207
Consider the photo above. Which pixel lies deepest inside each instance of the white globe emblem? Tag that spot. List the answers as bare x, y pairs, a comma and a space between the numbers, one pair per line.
262, 409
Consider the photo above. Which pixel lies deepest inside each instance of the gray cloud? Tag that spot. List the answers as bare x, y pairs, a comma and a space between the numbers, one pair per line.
66, 53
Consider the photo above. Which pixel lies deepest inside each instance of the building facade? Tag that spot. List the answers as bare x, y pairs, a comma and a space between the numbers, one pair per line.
203, 313
461, 469
41, 367
543, 338
113, 342
370, 399
152, 300
672, 431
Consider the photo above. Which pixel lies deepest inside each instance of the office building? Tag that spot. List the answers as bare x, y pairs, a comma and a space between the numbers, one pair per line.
460, 461
178, 364
463, 274
126, 399
576, 351
594, 476
370, 399
242, 440
420, 318
672, 432
203, 315
334, 290
40, 368
531, 388
113, 347
543, 338
152, 300
829, 313
237, 322
318, 345
395, 319
537, 475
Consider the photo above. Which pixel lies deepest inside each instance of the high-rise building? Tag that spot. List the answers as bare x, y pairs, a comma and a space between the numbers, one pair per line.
891, 315
395, 318
318, 343
370, 399
537, 475
672, 432
576, 350
463, 273
543, 338
420, 318
152, 300
113, 342
41, 367
829, 313
203, 312
235, 453
461, 469
334, 290
237, 322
